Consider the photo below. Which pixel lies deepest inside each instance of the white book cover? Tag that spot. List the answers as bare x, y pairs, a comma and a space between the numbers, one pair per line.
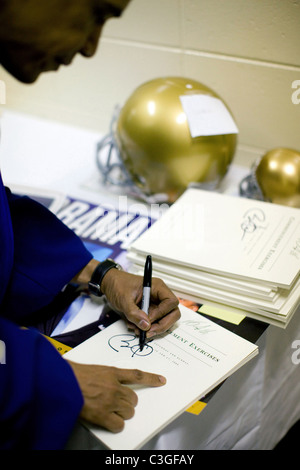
195, 355
235, 237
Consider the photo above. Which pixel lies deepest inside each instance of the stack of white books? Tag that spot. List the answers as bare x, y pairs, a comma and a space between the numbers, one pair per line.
235, 253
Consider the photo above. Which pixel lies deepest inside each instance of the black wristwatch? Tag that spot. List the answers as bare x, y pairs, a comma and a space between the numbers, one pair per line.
98, 275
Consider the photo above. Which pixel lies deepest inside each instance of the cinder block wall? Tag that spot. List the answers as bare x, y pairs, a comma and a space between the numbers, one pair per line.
246, 50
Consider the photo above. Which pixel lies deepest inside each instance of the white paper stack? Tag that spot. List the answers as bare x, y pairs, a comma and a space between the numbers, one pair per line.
227, 251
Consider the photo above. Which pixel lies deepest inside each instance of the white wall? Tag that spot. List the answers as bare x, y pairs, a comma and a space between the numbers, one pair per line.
247, 50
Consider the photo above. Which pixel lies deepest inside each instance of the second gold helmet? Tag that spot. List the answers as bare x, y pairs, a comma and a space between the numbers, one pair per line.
275, 177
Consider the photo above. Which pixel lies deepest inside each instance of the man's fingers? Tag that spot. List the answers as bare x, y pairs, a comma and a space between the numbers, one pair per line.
125, 410
160, 322
136, 376
108, 401
113, 422
163, 311
126, 395
138, 317
162, 325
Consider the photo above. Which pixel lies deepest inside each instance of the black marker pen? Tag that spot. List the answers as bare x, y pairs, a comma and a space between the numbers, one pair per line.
146, 295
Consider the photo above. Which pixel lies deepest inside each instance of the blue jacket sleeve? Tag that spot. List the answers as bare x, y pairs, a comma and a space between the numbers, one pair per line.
47, 255
39, 396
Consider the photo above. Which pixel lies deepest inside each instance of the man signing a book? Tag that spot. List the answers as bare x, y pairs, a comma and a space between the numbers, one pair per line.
41, 394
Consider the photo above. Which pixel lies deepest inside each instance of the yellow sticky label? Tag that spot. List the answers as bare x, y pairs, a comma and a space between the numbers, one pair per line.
61, 348
196, 408
226, 315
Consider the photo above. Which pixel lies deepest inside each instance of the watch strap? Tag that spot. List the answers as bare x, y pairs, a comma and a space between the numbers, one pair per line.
98, 275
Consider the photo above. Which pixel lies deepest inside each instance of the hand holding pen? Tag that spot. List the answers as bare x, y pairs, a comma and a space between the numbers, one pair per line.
124, 292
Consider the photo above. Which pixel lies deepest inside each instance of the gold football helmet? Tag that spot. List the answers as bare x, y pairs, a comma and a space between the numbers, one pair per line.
275, 177
150, 149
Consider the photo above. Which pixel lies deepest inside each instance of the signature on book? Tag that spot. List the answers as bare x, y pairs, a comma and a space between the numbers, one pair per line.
199, 326
130, 343
253, 219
